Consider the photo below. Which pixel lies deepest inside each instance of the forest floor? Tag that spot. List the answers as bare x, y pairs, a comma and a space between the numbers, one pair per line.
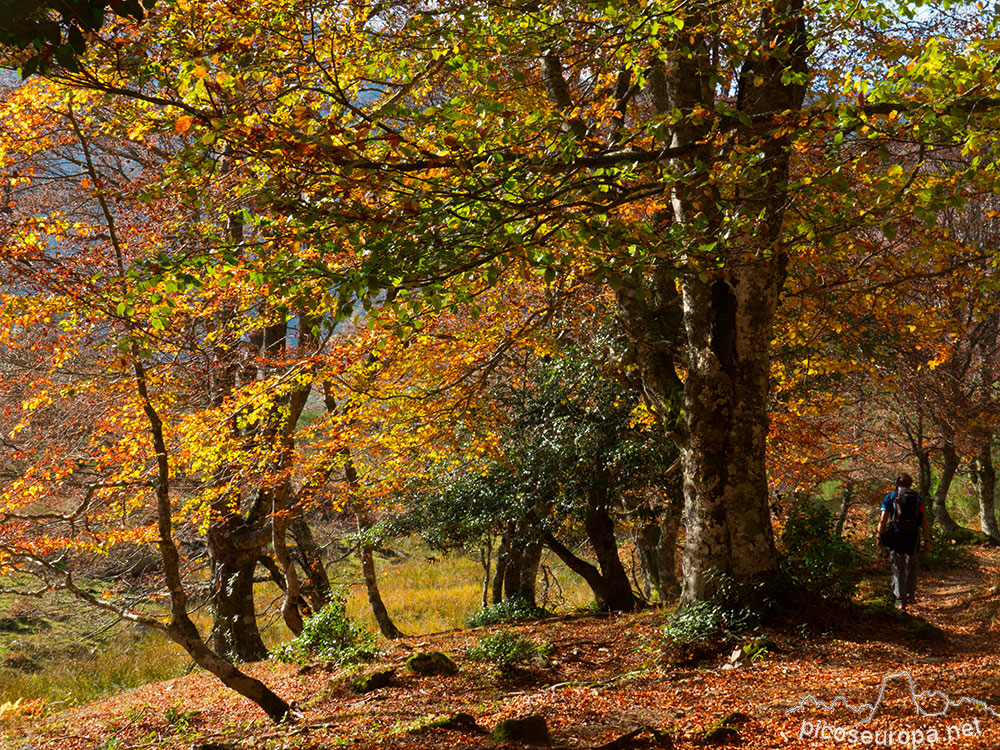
929, 677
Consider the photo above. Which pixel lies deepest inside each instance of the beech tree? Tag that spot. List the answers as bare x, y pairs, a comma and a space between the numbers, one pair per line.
677, 148
679, 154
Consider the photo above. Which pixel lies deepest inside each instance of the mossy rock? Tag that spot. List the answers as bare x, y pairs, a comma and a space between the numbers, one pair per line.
733, 719
460, 721
759, 647
366, 683
430, 663
693, 653
718, 735
531, 729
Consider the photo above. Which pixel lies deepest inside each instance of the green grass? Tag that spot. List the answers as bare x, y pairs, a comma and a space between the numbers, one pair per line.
429, 593
65, 652
67, 681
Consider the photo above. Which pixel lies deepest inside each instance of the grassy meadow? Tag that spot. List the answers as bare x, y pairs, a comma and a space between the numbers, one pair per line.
63, 652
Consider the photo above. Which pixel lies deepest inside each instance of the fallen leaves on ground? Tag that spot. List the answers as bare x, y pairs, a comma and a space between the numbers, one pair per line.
937, 672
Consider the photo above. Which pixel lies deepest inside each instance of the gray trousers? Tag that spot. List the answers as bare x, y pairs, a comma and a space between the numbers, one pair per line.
904, 576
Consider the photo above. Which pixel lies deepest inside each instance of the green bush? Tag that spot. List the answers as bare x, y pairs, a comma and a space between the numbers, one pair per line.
509, 610
950, 550
815, 560
734, 608
329, 635
506, 650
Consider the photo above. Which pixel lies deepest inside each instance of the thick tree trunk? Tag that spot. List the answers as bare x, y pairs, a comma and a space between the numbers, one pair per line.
984, 478
657, 523
727, 518
647, 540
512, 570
283, 510
496, 594
610, 593
924, 476
235, 633
521, 559
670, 524
292, 598
948, 468
531, 558
603, 595
601, 533
727, 307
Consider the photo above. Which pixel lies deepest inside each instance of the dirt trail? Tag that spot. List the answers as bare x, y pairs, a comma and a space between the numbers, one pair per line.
935, 669
961, 601
932, 673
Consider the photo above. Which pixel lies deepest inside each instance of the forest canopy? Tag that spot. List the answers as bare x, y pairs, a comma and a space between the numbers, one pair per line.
571, 264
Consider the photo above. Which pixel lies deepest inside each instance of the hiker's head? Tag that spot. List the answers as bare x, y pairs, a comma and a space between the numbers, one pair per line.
904, 480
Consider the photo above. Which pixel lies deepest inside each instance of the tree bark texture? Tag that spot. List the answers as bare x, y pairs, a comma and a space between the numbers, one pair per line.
518, 572
385, 624
318, 590
235, 632
985, 481
610, 584
728, 308
847, 498
924, 474
948, 468
603, 595
666, 549
496, 590
600, 529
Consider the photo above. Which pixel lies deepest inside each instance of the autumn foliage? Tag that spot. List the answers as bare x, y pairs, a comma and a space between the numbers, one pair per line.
291, 260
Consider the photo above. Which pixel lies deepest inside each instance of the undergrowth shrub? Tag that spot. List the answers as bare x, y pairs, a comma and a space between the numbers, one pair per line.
506, 650
734, 608
815, 560
702, 630
506, 611
950, 550
329, 635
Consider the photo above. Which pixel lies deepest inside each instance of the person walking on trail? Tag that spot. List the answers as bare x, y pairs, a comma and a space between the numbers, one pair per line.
903, 520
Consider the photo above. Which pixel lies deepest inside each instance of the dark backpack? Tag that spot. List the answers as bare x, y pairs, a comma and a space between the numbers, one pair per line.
908, 520
907, 509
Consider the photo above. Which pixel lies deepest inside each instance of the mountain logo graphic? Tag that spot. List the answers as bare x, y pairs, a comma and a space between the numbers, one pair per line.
866, 711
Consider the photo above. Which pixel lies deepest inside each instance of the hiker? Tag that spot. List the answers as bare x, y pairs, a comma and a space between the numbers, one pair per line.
899, 528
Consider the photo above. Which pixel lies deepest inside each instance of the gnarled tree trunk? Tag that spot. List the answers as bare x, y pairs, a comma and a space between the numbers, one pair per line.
984, 479
235, 633
517, 564
948, 468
